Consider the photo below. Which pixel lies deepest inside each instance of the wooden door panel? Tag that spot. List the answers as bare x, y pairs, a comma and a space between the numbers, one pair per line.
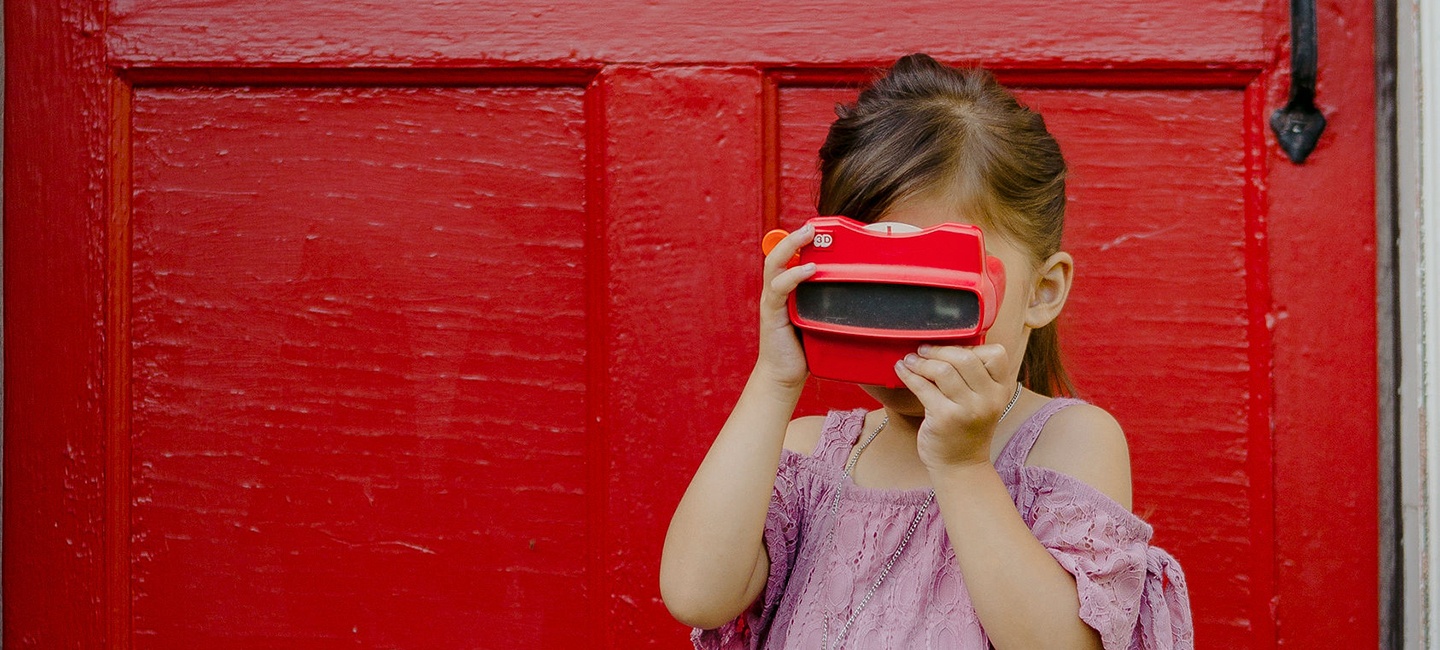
1157, 329
683, 221
1135, 33
346, 421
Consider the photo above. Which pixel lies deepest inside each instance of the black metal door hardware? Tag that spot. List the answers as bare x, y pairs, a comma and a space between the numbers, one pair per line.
1299, 124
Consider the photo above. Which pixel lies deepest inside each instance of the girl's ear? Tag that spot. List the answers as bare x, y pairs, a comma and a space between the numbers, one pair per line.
1051, 288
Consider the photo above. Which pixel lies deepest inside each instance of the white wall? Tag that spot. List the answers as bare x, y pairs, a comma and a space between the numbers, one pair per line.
1418, 276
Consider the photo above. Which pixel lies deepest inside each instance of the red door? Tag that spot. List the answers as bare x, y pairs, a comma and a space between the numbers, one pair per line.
404, 325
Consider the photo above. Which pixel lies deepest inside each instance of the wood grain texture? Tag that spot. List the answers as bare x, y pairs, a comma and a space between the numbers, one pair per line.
56, 164
1322, 235
344, 419
1136, 33
1155, 330
683, 234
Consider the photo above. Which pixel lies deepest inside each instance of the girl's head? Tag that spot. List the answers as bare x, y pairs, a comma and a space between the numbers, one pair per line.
931, 142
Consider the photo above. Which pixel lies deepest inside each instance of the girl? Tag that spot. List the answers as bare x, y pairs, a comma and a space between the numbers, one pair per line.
975, 508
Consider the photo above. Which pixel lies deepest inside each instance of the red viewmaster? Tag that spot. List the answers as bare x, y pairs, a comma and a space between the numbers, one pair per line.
880, 290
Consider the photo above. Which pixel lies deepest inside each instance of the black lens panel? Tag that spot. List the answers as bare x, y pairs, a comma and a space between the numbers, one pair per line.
887, 306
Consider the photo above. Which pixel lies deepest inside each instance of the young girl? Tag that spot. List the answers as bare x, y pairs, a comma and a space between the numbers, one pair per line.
975, 508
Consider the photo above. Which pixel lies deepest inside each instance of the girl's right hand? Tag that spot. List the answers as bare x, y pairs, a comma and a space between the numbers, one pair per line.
781, 357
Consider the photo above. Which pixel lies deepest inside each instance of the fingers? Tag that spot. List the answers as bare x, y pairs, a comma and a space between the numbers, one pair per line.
930, 396
980, 362
942, 405
943, 374
953, 369
779, 256
785, 282
995, 358
963, 391
788, 279
947, 378
779, 280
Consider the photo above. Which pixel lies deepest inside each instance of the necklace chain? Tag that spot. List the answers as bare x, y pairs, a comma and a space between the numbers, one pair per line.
910, 532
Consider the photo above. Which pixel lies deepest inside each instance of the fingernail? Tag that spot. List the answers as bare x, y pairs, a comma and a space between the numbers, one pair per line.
911, 358
925, 348
810, 266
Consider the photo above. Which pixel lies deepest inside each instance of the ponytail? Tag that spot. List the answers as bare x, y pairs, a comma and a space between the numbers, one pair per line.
1042, 369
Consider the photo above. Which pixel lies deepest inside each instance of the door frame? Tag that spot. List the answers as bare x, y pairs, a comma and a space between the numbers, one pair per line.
1409, 587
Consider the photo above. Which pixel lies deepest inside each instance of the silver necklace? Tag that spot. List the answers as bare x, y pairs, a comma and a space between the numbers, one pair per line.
909, 532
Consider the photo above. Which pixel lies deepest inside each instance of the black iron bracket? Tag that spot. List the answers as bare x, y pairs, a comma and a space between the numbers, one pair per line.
1298, 126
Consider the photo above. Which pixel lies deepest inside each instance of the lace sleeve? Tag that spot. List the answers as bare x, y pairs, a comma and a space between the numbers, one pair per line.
1133, 594
782, 538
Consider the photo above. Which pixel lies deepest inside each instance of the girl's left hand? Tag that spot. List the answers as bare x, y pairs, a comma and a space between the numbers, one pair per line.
964, 390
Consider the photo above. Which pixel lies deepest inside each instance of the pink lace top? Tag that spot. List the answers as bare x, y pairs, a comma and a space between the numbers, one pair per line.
1134, 594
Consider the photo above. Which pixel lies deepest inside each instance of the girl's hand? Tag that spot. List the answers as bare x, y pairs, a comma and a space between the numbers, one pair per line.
781, 357
964, 391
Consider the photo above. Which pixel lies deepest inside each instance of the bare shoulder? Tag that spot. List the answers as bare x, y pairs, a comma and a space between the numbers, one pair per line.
1085, 441
803, 434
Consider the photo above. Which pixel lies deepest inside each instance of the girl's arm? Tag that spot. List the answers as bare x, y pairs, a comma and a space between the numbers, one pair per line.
714, 563
1024, 598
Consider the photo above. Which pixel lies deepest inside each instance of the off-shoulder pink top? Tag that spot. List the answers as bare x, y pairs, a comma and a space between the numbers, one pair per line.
1132, 593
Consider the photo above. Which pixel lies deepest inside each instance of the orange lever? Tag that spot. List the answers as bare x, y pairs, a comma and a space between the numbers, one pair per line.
772, 239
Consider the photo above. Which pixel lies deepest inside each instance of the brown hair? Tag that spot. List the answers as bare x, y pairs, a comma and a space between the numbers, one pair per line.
925, 129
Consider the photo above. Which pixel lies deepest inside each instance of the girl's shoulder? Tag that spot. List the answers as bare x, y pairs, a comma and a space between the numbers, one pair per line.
803, 434
1085, 442
821, 435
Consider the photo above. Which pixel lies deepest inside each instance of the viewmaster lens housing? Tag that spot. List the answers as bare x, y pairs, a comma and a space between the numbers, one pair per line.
880, 290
